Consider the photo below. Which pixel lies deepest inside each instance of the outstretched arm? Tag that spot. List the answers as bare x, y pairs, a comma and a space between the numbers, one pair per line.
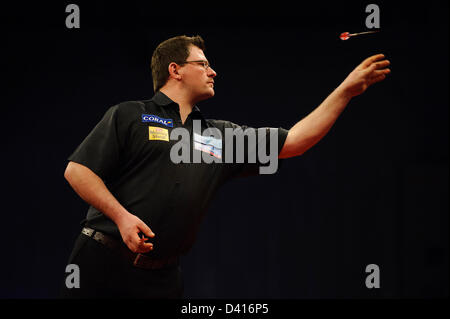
310, 130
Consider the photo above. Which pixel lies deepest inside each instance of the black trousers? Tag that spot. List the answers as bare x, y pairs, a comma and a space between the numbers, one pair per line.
104, 273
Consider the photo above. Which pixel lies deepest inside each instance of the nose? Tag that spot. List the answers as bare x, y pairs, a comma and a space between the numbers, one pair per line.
211, 72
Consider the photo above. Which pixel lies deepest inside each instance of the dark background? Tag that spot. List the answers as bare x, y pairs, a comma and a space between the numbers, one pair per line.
373, 191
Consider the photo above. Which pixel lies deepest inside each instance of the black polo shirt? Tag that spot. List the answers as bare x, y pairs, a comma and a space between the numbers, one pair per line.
129, 150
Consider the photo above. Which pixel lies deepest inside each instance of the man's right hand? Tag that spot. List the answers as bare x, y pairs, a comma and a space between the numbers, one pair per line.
93, 190
130, 226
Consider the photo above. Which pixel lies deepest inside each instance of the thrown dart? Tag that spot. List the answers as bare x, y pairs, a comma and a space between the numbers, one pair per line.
347, 35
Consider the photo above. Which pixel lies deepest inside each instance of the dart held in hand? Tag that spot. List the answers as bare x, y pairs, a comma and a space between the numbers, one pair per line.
347, 35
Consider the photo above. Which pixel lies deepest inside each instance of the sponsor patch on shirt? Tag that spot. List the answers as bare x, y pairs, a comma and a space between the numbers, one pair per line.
208, 144
158, 133
149, 118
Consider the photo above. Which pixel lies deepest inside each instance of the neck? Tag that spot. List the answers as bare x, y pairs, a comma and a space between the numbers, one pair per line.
182, 99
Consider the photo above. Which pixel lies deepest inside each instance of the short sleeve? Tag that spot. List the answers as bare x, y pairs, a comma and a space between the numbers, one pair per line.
101, 149
271, 164
259, 152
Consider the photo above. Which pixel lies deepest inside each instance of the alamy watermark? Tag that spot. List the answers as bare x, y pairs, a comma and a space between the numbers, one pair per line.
373, 19
73, 19
373, 279
73, 279
210, 142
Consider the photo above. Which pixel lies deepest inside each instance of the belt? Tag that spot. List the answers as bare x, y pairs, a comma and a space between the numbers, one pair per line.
137, 259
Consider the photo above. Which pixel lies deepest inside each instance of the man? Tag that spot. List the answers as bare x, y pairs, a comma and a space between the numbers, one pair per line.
145, 207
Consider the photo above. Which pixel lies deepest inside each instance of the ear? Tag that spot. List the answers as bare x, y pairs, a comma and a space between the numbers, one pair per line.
173, 71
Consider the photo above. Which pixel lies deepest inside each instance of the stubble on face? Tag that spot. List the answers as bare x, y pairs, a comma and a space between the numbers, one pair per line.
200, 80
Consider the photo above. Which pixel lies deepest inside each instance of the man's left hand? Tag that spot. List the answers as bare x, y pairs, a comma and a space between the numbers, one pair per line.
371, 70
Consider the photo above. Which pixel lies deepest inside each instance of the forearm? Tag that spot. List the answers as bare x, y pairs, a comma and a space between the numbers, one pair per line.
311, 129
91, 189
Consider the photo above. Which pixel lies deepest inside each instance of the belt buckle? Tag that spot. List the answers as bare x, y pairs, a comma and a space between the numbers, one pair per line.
87, 231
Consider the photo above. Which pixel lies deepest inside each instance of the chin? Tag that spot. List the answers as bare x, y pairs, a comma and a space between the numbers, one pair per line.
207, 94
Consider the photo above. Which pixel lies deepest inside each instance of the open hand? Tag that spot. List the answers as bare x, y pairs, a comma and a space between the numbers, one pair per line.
371, 70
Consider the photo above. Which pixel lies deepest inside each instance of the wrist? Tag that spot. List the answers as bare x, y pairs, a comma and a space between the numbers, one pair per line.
344, 92
120, 216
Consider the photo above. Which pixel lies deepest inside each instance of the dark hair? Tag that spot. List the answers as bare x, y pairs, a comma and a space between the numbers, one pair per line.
176, 50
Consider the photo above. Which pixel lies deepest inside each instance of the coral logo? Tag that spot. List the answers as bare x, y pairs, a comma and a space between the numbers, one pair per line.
148, 118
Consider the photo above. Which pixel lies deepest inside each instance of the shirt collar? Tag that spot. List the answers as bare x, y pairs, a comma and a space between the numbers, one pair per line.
163, 100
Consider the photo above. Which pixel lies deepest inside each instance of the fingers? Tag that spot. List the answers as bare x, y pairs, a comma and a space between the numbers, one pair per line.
142, 246
146, 230
377, 71
371, 70
382, 64
139, 245
131, 227
377, 66
377, 75
367, 62
377, 79
381, 72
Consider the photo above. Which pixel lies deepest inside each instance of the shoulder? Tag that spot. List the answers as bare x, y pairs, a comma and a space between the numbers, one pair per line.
124, 113
131, 106
222, 124
128, 110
